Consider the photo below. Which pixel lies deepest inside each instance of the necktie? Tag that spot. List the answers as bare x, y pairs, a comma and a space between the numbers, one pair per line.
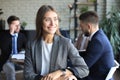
14, 44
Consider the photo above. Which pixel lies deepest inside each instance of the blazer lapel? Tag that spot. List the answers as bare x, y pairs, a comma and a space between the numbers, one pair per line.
54, 53
38, 55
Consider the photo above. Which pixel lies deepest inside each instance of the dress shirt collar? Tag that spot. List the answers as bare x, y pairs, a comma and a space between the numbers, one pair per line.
15, 34
90, 37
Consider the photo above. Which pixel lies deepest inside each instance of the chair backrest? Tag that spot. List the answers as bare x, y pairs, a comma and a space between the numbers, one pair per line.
112, 70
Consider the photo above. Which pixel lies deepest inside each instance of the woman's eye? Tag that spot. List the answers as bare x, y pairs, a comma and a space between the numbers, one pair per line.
47, 20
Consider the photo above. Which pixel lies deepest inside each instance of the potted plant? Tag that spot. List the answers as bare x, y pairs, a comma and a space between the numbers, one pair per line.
83, 9
23, 24
111, 25
91, 0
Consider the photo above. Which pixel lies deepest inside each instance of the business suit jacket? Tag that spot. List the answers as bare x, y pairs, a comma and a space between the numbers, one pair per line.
6, 45
99, 56
62, 49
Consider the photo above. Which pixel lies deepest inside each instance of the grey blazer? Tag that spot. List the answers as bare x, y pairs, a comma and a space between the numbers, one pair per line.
62, 49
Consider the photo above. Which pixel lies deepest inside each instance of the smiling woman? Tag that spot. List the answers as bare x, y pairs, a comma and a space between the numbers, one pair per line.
46, 57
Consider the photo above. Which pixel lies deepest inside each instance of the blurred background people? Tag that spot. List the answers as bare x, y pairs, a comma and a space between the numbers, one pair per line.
99, 53
12, 42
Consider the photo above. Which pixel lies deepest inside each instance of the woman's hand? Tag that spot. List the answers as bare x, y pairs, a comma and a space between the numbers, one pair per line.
70, 77
67, 77
53, 75
58, 75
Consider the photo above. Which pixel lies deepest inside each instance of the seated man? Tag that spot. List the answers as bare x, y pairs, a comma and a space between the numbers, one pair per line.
12, 42
99, 53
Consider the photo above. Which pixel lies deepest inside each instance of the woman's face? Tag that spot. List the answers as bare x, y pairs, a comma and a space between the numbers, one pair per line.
50, 22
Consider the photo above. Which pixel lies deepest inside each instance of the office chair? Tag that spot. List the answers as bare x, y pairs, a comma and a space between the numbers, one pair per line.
112, 71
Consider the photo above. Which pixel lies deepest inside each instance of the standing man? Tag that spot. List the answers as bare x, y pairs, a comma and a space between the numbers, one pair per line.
10, 47
99, 54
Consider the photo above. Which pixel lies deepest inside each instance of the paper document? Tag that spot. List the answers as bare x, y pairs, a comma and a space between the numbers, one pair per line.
82, 50
18, 56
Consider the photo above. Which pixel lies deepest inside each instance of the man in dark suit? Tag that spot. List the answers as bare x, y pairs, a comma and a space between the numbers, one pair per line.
6, 46
99, 54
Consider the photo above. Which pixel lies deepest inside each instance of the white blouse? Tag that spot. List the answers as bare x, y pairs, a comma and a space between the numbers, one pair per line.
46, 53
